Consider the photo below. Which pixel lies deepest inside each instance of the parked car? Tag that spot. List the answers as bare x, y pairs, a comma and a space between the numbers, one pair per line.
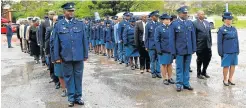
4, 30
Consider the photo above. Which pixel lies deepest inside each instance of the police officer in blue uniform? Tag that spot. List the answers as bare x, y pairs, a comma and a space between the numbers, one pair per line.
71, 49
101, 35
228, 47
97, 36
184, 42
150, 43
129, 43
122, 25
109, 38
163, 40
87, 31
93, 36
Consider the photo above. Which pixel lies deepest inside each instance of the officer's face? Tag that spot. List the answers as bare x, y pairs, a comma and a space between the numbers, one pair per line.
155, 18
128, 17
183, 16
227, 21
166, 21
102, 23
69, 13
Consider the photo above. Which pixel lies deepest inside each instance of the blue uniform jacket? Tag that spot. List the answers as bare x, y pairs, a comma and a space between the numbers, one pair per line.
227, 40
122, 25
101, 32
163, 39
149, 34
87, 31
70, 41
184, 37
9, 30
97, 32
109, 34
93, 33
128, 35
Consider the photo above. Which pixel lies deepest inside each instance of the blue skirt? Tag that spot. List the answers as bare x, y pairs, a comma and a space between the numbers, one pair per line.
97, 42
58, 70
93, 42
109, 45
165, 58
101, 42
229, 60
131, 51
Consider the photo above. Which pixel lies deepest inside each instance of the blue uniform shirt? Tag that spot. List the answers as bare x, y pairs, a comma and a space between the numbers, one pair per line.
128, 35
122, 25
93, 32
109, 34
101, 32
227, 40
70, 42
149, 34
9, 30
162, 39
87, 31
184, 37
97, 32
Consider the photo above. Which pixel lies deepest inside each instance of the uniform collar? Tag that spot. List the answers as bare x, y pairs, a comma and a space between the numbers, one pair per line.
227, 26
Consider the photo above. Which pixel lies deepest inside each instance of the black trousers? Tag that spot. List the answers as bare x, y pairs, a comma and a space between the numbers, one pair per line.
42, 54
21, 44
203, 58
52, 72
144, 58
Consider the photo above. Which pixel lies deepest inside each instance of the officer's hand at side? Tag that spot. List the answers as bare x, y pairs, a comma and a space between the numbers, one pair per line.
159, 53
146, 49
85, 59
58, 61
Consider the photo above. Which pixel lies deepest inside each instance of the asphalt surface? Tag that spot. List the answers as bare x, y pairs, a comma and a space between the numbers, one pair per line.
107, 84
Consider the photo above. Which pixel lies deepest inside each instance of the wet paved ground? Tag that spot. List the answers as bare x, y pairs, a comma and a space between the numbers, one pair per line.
107, 84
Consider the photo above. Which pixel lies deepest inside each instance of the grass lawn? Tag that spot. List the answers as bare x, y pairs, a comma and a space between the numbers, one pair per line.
239, 24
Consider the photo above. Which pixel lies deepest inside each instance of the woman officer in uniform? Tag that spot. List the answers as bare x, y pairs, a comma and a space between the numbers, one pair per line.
109, 39
228, 47
162, 40
128, 39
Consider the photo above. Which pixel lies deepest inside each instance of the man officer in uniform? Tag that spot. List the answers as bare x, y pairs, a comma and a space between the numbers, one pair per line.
183, 45
71, 49
150, 43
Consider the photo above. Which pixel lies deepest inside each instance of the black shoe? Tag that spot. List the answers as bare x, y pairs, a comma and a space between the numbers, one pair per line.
115, 59
136, 66
70, 104
171, 81
133, 67
190, 70
141, 71
57, 85
206, 76
80, 102
225, 84
154, 76
165, 82
178, 89
127, 65
158, 75
188, 88
200, 77
229, 82
43, 64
